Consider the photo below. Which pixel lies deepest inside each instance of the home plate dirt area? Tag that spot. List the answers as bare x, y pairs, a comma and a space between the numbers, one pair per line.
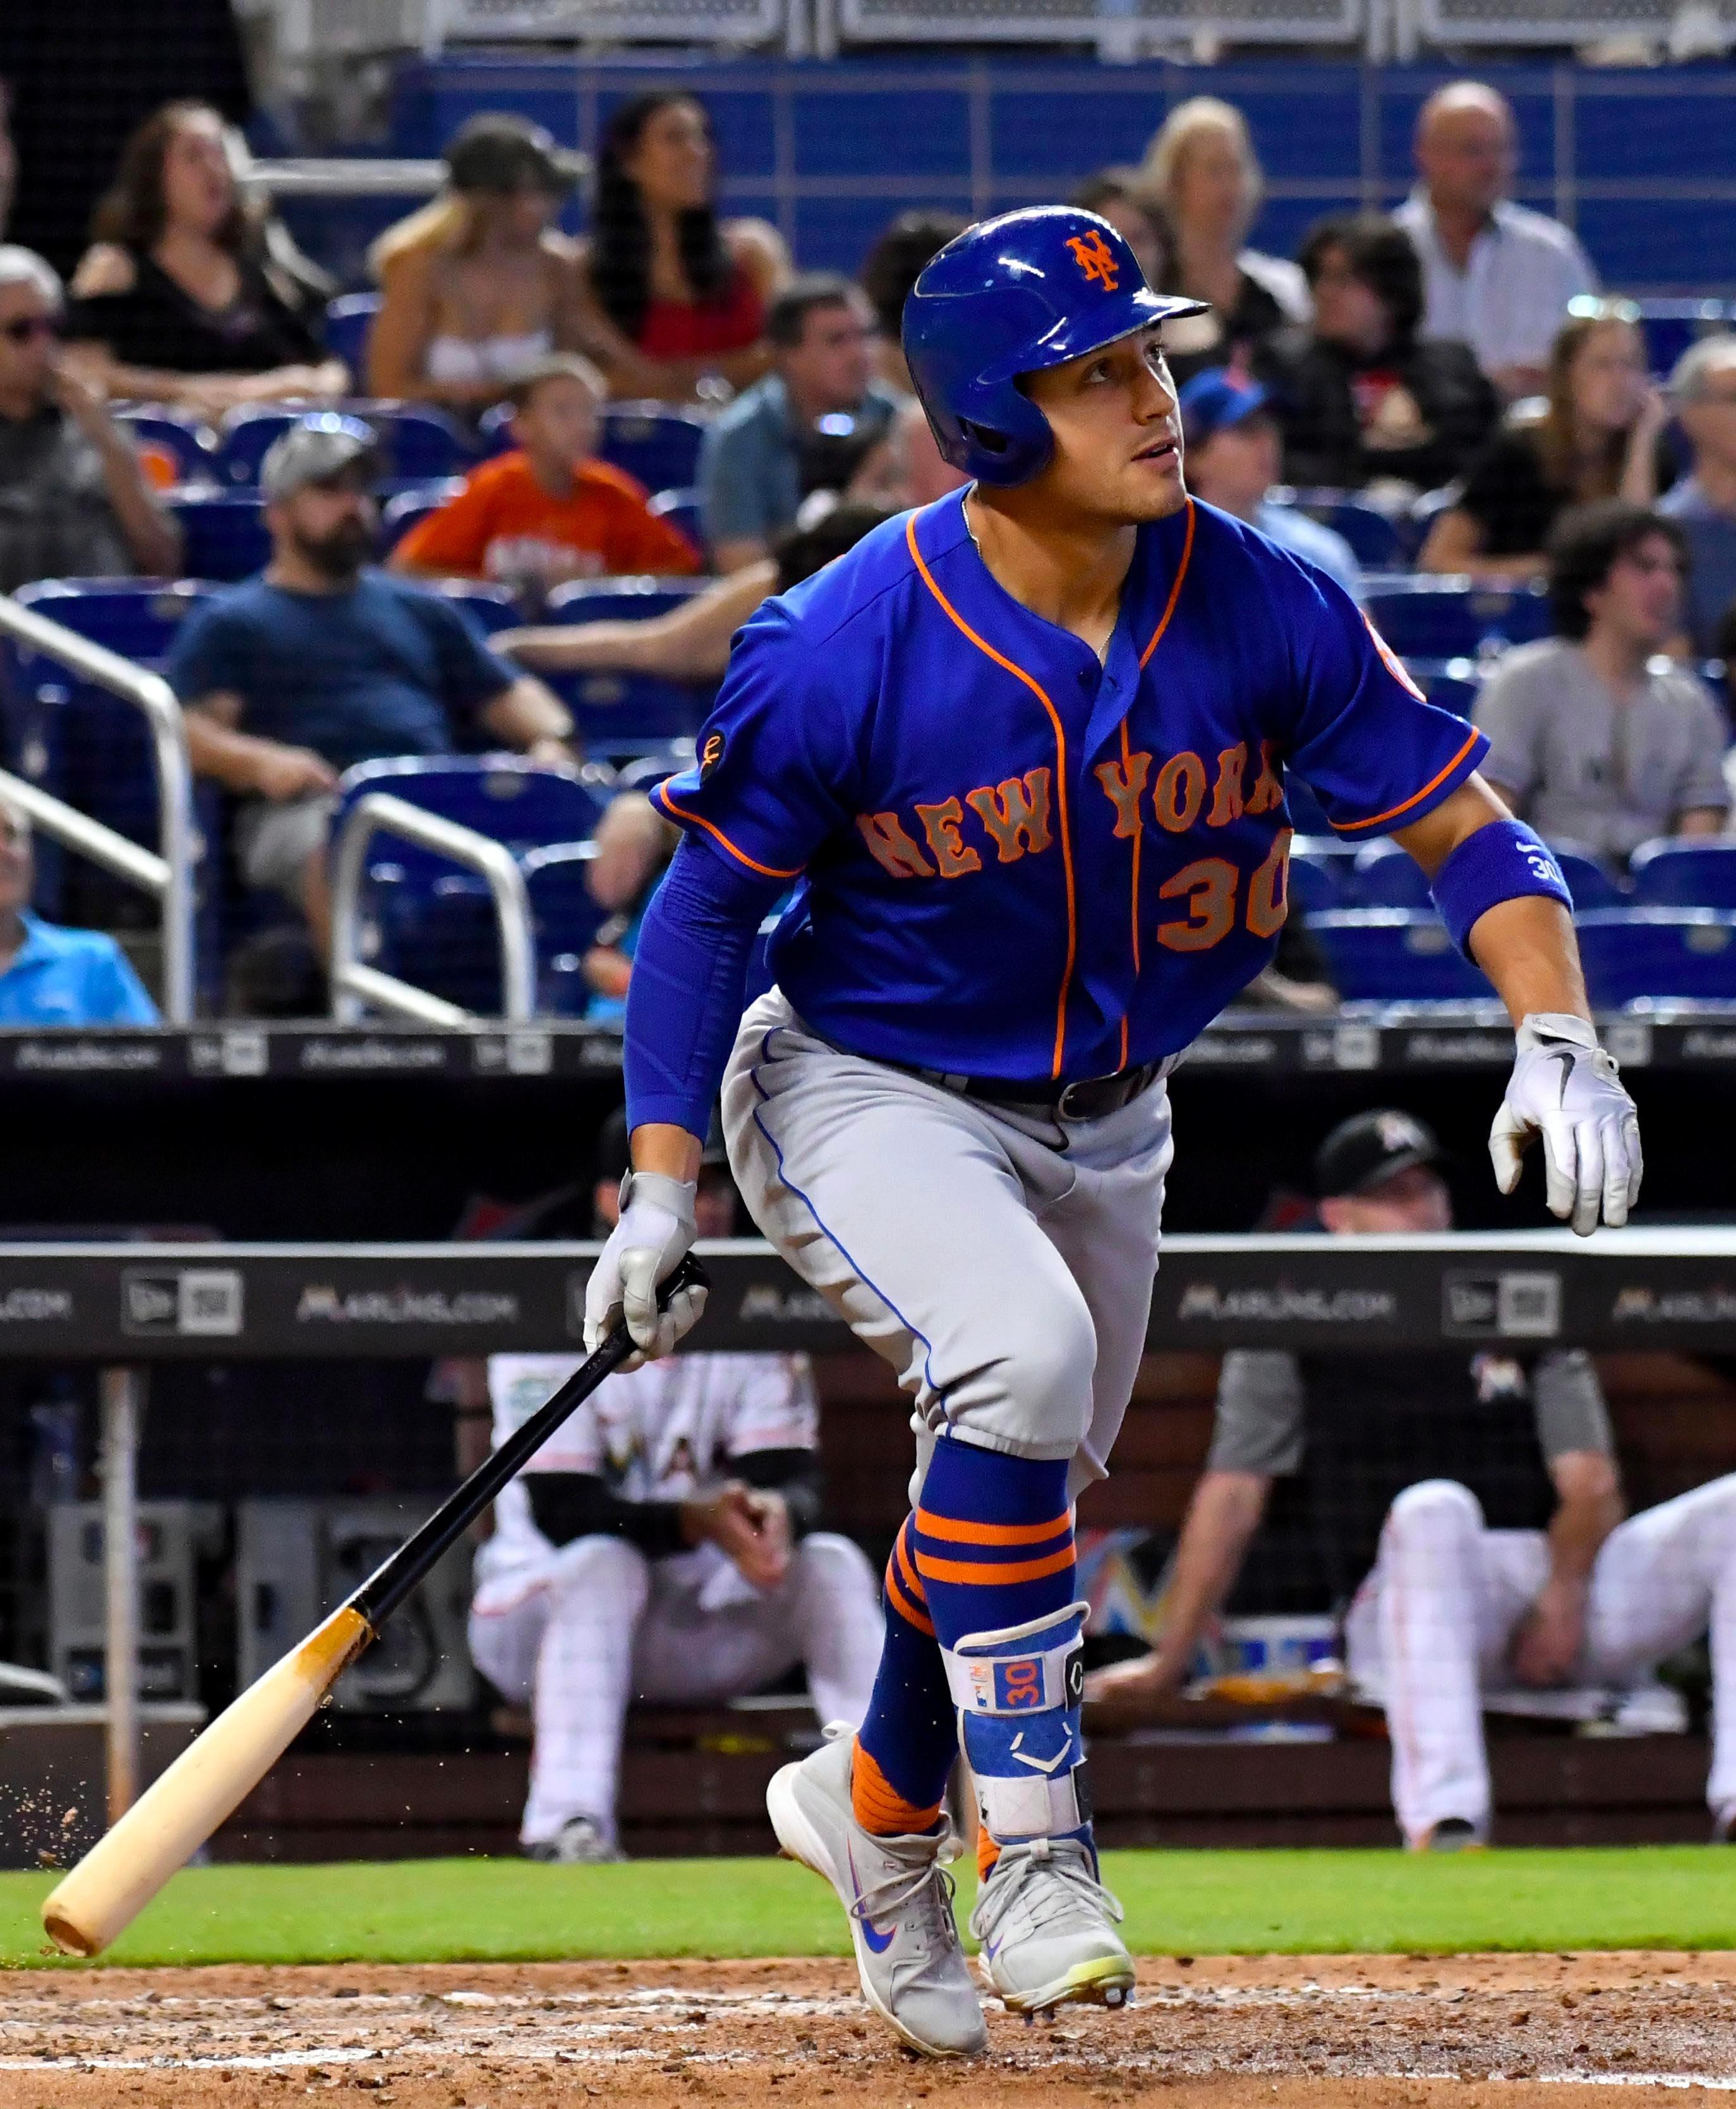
1208, 2034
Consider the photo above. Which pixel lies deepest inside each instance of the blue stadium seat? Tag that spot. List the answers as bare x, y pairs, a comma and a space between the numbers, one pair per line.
1385, 876
1447, 618
1393, 955
186, 441
1669, 326
644, 772
656, 443
1629, 953
416, 442
566, 920
1451, 684
75, 739
224, 534
1315, 884
626, 714
489, 607
1375, 541
349, 320
682, 508
405, 509
495, 429
1683, 875
435, 922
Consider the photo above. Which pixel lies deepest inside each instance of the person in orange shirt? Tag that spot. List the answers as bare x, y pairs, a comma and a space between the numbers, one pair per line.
549, 511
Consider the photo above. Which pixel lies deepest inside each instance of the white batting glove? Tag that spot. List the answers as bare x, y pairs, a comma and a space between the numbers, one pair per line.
650, 1241
1566, 1089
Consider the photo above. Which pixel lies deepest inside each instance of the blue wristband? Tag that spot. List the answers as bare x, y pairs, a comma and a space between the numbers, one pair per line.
1502, 861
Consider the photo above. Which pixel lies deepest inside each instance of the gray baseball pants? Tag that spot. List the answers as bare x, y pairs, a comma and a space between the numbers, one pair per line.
1001, 1262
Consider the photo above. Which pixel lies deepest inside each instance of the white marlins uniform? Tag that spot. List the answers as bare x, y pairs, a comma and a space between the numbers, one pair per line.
580, 1629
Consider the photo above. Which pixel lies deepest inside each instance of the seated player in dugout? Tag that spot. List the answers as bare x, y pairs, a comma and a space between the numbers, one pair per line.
664, 1545
1464, 1511
1023, 755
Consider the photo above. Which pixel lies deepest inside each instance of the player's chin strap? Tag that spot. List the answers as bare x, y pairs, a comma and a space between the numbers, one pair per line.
1019, 1692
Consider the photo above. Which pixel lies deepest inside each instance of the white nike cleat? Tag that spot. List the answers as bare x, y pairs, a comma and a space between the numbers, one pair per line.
1043, 1919
899, 1898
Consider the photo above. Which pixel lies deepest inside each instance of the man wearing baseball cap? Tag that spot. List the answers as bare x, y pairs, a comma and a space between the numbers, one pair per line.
1462, 1512
323, 661
1235, 455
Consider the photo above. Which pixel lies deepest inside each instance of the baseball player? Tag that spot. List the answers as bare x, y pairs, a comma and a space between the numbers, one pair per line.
661, 1545
1477, 1501
1022, 756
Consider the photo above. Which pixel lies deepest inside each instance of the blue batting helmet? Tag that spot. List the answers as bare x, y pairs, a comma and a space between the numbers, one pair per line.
1012, 296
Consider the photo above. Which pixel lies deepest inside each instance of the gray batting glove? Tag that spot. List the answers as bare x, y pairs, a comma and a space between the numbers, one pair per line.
649, 1242
1565, 1088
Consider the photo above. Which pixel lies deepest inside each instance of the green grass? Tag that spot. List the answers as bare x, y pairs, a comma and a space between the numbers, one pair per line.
1204, 1903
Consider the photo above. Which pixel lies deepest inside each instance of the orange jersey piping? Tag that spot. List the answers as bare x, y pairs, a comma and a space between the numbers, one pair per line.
1169, 606
1416, 797
660, 797
1041, 694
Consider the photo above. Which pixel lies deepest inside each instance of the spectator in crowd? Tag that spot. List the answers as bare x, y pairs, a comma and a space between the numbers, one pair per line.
49, 976
664, 1545
1703, 505
1202, 173
1593, 738
1498, 276
634, 844
321, 662
479, 282
807, 427
1361, 397
1480, 1497
1116, 195
1595, 435
691, 642
676, 298
897, 260
181, 300
1233, 455
549, 511
73, 501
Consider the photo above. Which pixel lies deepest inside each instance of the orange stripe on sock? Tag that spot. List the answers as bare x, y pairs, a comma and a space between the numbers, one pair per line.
880, 1809
910, 1612
988, 1852
987, 1575
907, 1574
956, 1532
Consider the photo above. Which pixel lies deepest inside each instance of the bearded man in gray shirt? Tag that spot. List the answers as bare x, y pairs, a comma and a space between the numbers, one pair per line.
1473, 1506
1595, 739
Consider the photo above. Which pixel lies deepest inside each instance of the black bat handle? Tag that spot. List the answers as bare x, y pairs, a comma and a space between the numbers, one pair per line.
394, 1578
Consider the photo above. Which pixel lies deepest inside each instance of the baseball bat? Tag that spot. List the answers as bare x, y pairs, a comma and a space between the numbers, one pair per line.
175, 1815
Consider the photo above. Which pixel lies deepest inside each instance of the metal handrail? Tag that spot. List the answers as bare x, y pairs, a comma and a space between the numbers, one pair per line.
168, 875
354, 983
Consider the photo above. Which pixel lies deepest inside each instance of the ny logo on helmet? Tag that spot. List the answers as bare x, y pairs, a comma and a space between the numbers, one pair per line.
1096, 260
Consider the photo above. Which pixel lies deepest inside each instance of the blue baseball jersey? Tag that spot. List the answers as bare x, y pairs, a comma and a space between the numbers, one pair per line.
1011, 860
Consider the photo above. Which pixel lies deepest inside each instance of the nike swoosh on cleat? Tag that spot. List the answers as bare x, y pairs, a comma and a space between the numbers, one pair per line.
879, 1941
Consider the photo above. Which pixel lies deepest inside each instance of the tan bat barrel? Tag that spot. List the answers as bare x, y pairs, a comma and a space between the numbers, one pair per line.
173, 1818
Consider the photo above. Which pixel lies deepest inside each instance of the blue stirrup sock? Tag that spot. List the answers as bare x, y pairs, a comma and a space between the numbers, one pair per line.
907, 1742
994, 1550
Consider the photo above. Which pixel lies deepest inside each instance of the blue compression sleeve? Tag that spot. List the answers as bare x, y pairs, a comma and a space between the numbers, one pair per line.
685, 995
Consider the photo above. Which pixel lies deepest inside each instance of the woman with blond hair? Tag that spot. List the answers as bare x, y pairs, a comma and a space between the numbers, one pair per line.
1594, 435
480, 282
1200, 170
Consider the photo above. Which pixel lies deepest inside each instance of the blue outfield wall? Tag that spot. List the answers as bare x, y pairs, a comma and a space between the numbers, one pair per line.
1643, 163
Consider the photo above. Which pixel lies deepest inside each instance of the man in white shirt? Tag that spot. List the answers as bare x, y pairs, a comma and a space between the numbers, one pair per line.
661, 1545
1498, 276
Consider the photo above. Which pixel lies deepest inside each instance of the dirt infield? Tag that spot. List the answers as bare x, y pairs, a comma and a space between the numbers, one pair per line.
1367, 2033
